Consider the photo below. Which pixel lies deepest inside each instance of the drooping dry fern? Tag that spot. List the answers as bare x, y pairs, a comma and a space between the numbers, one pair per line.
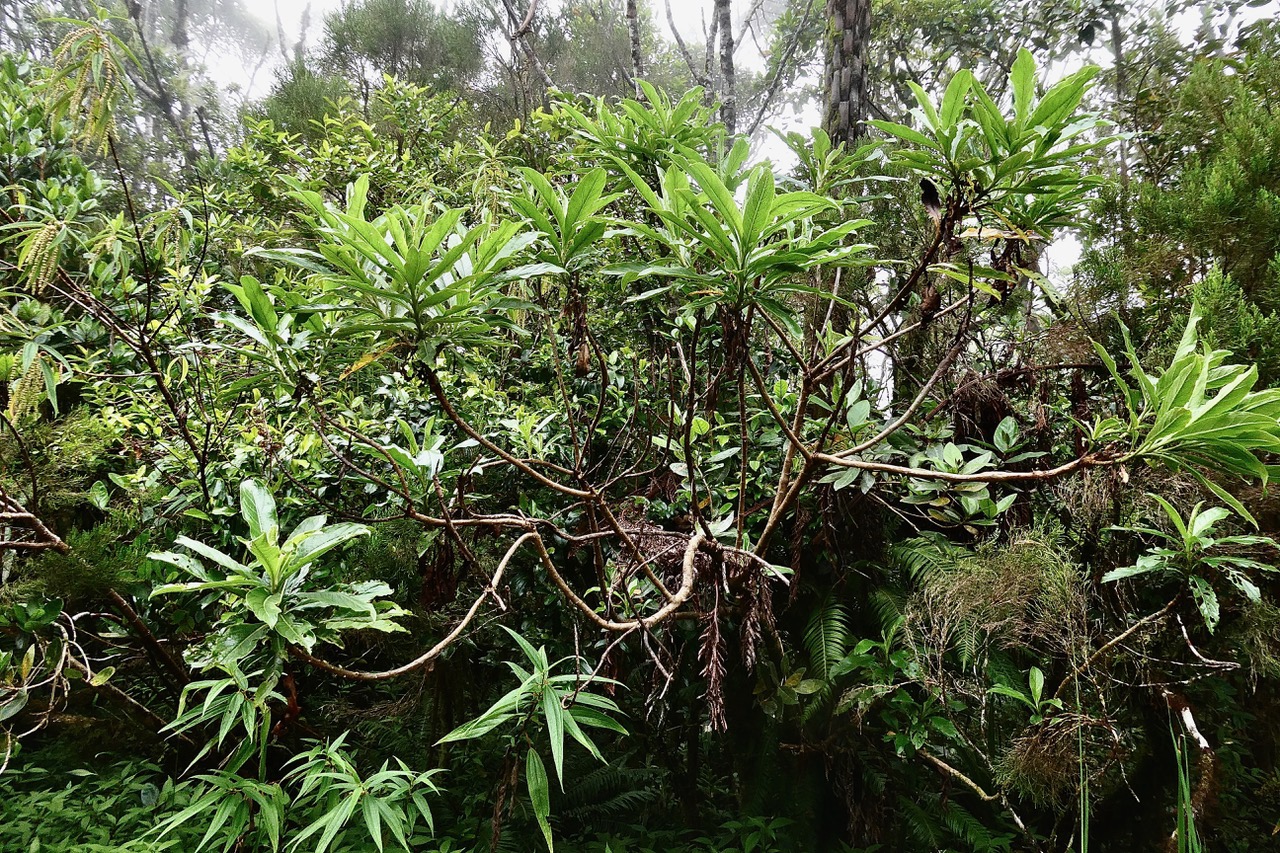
1021, 593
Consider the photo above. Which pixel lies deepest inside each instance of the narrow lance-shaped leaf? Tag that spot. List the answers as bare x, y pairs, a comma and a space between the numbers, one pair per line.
535, 775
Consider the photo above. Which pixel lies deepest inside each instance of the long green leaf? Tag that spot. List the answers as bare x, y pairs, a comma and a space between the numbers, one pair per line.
258, 508
535, 775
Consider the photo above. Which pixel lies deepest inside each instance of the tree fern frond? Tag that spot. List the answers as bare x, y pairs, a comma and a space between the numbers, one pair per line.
817, 702
874, 777
609, 792
970, 643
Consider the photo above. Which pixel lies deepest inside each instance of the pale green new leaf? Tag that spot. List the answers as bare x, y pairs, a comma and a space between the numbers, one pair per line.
258, 508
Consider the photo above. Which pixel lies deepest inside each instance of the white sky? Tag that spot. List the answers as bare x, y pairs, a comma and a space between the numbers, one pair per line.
688, 16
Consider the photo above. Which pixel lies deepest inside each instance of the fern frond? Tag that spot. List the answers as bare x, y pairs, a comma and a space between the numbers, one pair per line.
921, 823
819, 701
611, 792
873, 776
827, 636
972, 831
888, 605
925, 555
970, 643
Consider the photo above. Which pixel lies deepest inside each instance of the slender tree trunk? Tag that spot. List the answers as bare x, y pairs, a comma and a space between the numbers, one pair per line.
633, 29
848, 41
710, 72
518, 36
180, 38
1122, 88
728, 106
284, 51
304, 24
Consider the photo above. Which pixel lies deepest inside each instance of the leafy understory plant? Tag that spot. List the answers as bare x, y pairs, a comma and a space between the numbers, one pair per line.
1200, 412
569, 223
268, 605
1193, 553
736, 255
971, 505
1034, 698
267, 600
1013, 178
28, 665
563, 704
390, 799
412, 274
322, 801
233, 806
1185, 834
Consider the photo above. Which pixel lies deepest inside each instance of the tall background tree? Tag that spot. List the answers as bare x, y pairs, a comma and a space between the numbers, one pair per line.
846, 83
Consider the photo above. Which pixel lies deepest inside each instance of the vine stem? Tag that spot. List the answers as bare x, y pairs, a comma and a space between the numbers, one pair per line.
1116, 640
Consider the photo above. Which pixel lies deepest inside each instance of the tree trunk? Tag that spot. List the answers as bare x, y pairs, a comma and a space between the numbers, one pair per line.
709, 70
1122, 91
848, 40
633, 29
180, 38
728, 107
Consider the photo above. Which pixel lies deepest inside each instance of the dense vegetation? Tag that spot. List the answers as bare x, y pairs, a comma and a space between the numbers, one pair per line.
426, 458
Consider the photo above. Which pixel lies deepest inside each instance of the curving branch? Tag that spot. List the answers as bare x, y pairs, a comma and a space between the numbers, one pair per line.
673, 603
519, 38
1145, 621
1039, 475
437, 390
490, 591
13, 513
678, 598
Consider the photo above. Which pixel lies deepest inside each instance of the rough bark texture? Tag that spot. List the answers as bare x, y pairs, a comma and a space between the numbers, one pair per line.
180, 38
848, 37
633, 30
728, 101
